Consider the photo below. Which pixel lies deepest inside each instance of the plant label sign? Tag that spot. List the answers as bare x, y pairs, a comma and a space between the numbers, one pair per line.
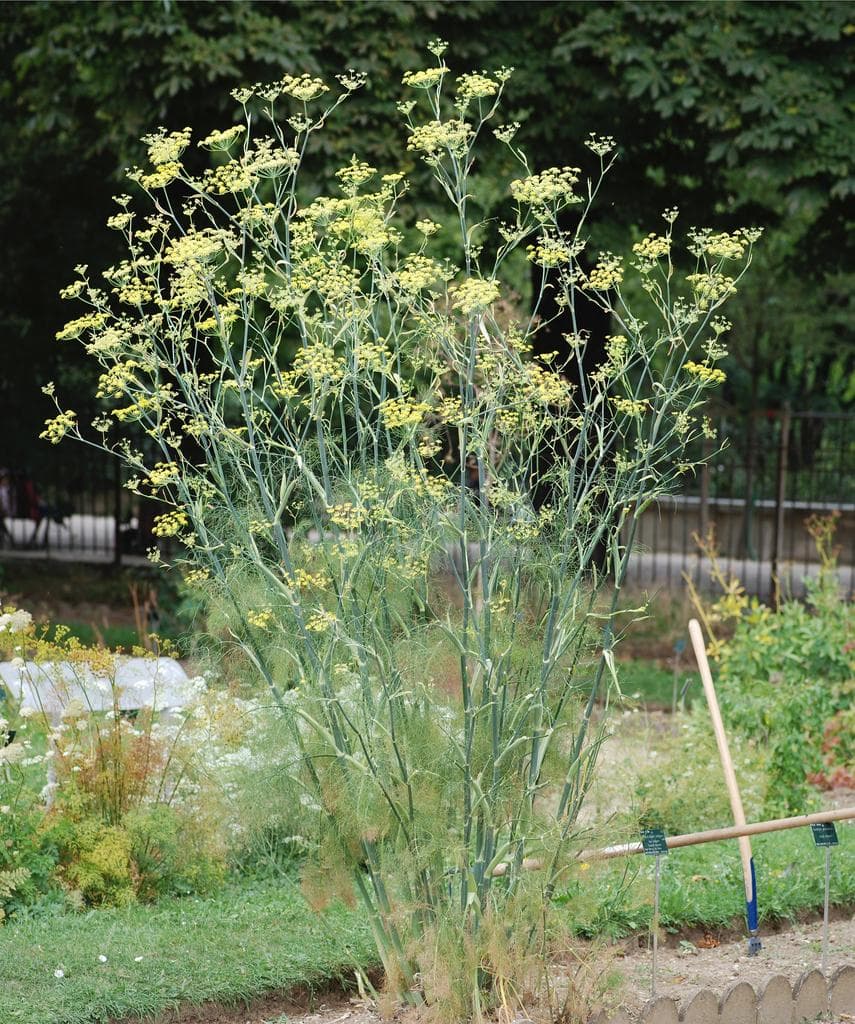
824, 834
653, 842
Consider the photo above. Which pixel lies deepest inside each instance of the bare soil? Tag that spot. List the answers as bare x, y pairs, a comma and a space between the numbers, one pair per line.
700, 960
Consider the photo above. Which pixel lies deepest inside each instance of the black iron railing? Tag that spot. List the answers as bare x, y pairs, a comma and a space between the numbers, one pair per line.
777, 470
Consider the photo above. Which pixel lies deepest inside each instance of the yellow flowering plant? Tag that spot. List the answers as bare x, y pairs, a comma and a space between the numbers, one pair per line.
117, 766
362, 458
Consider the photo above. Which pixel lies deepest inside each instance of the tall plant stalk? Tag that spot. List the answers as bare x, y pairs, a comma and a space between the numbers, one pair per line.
350, 431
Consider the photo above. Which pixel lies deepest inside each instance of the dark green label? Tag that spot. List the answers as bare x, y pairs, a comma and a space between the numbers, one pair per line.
653, 842
824, 834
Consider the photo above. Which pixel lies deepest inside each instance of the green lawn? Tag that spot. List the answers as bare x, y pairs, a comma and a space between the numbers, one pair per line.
251, 938
652, 685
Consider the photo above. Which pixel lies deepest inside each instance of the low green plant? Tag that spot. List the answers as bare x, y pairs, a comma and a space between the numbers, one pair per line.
784, 675
340, 418
28, 858
135, 804
681, 789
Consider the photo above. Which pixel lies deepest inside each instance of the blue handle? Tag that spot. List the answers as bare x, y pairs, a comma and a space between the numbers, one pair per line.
751, 905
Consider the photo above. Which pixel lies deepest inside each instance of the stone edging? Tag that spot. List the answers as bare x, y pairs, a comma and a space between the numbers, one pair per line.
777, 1002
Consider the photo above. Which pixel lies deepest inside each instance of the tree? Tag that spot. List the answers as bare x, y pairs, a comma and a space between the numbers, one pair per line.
749, 101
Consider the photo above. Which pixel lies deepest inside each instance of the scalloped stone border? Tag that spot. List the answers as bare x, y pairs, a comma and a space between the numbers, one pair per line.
777, 1002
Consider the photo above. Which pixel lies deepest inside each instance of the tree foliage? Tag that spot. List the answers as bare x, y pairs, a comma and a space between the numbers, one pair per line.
751, 102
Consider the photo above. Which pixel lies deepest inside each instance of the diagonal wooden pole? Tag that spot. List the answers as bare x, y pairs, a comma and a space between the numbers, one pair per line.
748, 873
712, 835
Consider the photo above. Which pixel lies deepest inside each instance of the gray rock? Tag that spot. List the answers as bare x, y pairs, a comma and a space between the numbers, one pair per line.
702, 1008
810, 997
141, 682
775, 1005
738, 1004
842, 991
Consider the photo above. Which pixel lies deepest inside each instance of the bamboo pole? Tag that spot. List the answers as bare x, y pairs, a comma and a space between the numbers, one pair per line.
748, 875
716, 835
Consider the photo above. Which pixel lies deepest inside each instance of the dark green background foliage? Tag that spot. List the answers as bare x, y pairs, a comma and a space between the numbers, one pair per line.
737, 112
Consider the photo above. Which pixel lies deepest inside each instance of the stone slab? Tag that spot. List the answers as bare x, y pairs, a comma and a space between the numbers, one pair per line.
662, 1010
51, 686
810, 997
738, 1004
702, 1008
775, 1005
842, 991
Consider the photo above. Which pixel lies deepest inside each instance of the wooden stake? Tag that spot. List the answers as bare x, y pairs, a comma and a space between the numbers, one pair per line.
699, 647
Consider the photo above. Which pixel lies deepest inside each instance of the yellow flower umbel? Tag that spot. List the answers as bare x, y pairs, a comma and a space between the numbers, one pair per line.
426, 79
607, 274
401, 413
56, 428
170, 524
548, 191
705, 374
474, 295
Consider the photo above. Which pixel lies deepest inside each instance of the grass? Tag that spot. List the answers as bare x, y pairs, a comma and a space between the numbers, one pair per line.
702, 885
653, 685
251, 938
259, 936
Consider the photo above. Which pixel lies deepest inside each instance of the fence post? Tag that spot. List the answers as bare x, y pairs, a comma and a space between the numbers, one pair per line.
704, 510
117, 516
780, 511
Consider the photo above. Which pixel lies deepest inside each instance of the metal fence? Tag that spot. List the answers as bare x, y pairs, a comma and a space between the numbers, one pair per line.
777, 469
74, 512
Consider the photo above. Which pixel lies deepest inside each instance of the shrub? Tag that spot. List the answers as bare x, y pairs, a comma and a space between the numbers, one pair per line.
134, 807
682, 790
784, 675
338, 414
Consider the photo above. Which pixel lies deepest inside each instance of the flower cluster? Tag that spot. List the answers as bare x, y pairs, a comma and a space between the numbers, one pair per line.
475, 87
398, 413
653, 247
170, 524
550, 251
722, 245
17, 620
608, 273
165, 148
705, 374
426, 79
320, 621
711, 287
435, 137
629, 406
222, 139
60, 425
260, 619
474, 295
551, 189
420, 272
